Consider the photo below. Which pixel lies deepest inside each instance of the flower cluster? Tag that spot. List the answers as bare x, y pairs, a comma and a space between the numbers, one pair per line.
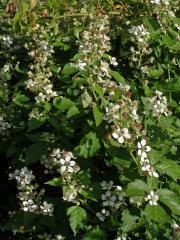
39, 74
139, 34
152, 198
62, 161
93, 44
146, 167
102, 214
112, 198
6, 41
30, 198
158, 104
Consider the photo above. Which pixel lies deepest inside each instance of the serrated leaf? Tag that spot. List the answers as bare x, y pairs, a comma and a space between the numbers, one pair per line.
21, 99
175, 187
121, 163
54, 182
85, 99
156, 214
73, 112
95, 234
170, 167
118, 77
69, 69
128, 221
137, 188
170, 199
176, 47
155, 73
78, 30
98, 115
152, 182
99, 90
84, 177
89, 145
34, 152
63, 104
77, 218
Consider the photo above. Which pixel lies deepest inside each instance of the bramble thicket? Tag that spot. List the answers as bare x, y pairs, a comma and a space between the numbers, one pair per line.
89, 126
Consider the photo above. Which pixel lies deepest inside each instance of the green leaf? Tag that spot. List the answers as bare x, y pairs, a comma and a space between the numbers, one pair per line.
175, 187
99, 90
89, 145
21, 221
152, 182
176, 46
155, 73
98, 115
77, 218
167, 41
118, 77
156, 214
85, 99
20, 99
63, 104
78, 30
95, 234
54, 182
73, 112
34, 152
121, 163
84, 177
170, 199
34, 123
137, 188
128, 221
69, 69
170, 167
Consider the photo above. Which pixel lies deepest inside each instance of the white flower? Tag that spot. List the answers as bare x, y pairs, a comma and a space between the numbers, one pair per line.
81, 65
143, 149
103, 214
152, 198
59, 237
47, 208
23, 176
175, 226
121, 134
29, 206
113, 61
146, 167
158, 104
107, 185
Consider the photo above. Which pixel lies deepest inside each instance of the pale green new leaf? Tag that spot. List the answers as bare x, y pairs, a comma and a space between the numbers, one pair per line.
98, 115
69, 69
54, 182
118, 77
77, 218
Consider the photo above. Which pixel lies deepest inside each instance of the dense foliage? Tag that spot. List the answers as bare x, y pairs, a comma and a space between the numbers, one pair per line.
89, 127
